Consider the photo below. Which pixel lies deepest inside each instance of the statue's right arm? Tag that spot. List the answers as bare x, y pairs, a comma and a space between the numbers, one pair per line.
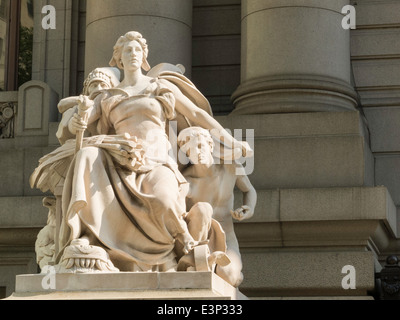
63, 134
69, 107
76, 122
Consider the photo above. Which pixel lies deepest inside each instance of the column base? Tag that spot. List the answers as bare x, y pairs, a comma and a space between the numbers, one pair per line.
289, 94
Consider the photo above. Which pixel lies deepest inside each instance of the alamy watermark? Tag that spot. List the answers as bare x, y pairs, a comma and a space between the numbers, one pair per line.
49, 280
49, 20
223, 151
349, 280
348, 22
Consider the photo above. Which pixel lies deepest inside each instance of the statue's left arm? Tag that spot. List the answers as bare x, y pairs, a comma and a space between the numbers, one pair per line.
246, 211
199, 117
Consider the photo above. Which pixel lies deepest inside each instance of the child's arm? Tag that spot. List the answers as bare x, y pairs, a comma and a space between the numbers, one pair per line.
246, 211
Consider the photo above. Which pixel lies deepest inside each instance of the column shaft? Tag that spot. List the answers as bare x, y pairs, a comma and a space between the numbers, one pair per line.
166, 25
295, 57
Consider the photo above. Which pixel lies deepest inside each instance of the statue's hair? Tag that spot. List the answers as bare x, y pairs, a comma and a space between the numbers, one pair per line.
119, 46
193, 132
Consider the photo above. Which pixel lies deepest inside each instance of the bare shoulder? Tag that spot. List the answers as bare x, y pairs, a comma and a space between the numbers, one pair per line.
169, 85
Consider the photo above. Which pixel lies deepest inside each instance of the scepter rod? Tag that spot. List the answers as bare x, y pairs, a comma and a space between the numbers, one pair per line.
83, 107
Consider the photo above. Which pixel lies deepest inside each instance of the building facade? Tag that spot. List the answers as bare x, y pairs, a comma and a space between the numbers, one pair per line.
322, 98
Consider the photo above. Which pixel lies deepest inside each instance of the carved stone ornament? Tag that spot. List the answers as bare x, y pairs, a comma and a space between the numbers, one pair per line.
80, 257
7, 116
390, 279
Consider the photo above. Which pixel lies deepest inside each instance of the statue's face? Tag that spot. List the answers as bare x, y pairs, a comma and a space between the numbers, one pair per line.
97, 85
132, 56
199, 151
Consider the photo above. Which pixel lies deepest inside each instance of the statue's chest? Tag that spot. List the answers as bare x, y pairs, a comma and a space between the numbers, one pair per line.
140, 108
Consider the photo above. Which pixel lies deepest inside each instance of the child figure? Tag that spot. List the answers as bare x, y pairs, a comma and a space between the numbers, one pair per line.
214, 183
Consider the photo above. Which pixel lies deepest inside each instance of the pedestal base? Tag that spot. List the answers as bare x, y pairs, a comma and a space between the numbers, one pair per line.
125, 286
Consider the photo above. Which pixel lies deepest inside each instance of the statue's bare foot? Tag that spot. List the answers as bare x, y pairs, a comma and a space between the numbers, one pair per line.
82, 257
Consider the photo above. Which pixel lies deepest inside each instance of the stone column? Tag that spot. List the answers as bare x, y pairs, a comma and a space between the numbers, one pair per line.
167, 26
295, 57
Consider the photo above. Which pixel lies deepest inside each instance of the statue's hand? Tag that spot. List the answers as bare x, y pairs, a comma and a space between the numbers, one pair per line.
84, 103
76, 123
79, 121
67, 103
247, 151
244, 212
187, 241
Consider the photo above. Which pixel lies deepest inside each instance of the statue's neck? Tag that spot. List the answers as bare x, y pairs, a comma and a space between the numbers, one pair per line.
200, 170
132, 78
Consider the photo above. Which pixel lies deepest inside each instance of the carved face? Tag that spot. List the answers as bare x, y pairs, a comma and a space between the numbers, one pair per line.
97, 85
132, 56
199, 150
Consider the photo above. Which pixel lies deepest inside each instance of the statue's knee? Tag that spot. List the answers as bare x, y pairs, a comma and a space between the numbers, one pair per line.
201, 211
204, 208
230, 274
238, 280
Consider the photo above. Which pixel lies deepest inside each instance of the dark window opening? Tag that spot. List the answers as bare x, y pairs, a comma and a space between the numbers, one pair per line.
16, 43
3, 292
25, 42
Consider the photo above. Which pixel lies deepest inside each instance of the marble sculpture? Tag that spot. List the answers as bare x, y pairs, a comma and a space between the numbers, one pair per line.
127, 202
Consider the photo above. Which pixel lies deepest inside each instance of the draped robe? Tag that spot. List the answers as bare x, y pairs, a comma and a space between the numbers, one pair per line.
124, 189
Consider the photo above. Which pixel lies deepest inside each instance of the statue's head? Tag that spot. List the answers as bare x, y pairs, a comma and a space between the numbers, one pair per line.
197, 144
101, 78
123, 41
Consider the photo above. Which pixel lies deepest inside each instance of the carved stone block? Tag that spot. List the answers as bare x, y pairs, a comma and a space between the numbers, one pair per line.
37, 106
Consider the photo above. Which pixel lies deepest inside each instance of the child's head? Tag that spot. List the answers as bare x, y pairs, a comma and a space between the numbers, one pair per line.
197, 144
101, 78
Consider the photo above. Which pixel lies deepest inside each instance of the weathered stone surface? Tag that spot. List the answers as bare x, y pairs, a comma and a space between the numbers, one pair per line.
126, 285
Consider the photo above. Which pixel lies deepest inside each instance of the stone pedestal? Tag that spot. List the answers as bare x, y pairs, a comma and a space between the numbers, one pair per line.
318, 208
307, 150
125, 286
301, 242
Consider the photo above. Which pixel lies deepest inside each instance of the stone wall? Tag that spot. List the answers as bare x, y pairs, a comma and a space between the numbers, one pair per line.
376, 64
328, 181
